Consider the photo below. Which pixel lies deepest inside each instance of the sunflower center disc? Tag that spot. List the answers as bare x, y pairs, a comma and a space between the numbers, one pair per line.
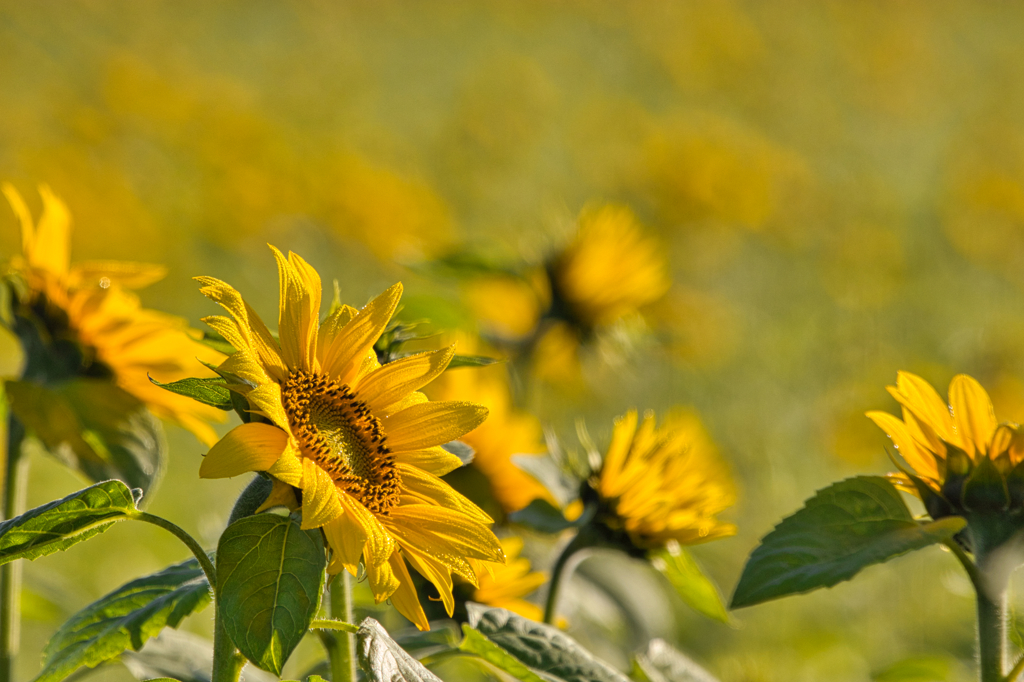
337, 431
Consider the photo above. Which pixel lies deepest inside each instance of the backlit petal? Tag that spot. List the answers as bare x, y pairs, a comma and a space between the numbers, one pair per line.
320, 504
973, 414
435, 460
298, 311
405, 598
920, 460
345, 354
397, 379
434, 423
249, 447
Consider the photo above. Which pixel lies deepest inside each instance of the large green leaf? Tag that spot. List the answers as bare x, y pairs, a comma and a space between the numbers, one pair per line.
270, 576
478, 645
125, 619
95, 427
662, 663
849, 525
212, 391
62, 523
383, 660
543, 648
690, 582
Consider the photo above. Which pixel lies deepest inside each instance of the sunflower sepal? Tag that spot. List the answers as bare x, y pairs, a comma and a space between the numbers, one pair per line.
212, 391
937, 506
985, 490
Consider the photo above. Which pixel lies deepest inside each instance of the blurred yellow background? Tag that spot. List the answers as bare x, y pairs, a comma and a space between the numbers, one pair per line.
838, 187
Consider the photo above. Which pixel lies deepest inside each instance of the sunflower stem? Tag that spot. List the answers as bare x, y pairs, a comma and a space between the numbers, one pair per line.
227, 662
991, 636
342, 654
14, 469
190, 542
584, 539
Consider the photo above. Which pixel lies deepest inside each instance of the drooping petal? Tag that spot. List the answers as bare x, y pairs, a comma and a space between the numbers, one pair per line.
435, 460
397, 379
382, 579
343, 357
249, 447
379, 543
444, 530
436, 572
288, 467
320, 504
434, 423
405, 598
973, 414
346, 538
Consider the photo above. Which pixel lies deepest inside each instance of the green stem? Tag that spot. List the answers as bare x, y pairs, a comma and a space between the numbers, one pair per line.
190, 542
227, 662
343, 654
991, 636
561, 572
14, 469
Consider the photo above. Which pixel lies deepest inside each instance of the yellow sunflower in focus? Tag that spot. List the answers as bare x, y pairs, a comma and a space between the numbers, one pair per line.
505, 586
662, 483
89, 304
358, 439
963, 460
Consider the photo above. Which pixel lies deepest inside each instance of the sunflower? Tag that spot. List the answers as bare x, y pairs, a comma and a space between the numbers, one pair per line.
505, 586
358, 439
89, 305
507, 432
962, 460
662, 483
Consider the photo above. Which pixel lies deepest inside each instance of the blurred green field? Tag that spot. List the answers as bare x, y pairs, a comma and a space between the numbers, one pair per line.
839, 188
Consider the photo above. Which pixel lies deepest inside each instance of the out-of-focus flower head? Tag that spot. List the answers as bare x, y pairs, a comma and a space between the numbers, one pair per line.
92, 326
660, 483
507, 432
963, 462
358, 439
505, 586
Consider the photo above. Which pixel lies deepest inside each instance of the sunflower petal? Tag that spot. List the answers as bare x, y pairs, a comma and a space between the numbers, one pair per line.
288, 467
435, 460
434, 423
405, 598
320, 504
332, 324
382, 579
395, 380
922, 462
622, 438
249, 447
436, 572
346, 537
918, 396
973, 414
344, 356
379, 543
438, 530
426, 488
299, 311
281, 495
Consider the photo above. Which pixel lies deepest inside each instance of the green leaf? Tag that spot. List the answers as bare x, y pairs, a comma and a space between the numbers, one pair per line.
383, 660
476, 643
544, 648
125, 619
65, 522
270, 576
217, 342
95, 427
849, 525
690, 582
663, 663
212, 391
472, 361
541, 515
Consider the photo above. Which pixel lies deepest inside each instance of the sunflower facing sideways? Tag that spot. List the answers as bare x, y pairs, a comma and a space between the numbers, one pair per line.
358, 439
88, 307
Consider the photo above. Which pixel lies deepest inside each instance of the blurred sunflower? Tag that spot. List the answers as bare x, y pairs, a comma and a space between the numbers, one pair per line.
505, 586
658, 484
357, 438
87, 307
507, 432
963, 461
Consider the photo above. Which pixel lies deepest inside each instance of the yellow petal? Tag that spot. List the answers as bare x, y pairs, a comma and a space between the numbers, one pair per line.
426, 488
434, 423
972, 412
346, 538
918, 396
333, 324
24, 216
249, 447
299, 311
342, 359
320, 504
227, 328
435, 460
921, 461
382, 579
437, 573
379, 543
122, 273
265, 400
622, 438
405, 598
288, 467
440, 530
395, 380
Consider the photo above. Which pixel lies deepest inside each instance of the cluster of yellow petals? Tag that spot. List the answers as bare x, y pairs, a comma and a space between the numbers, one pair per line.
359, 439
929, 425
665, 483
505, 586
133, 342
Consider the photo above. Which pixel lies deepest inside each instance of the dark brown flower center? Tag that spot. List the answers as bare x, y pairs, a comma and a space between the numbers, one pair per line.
337, 431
